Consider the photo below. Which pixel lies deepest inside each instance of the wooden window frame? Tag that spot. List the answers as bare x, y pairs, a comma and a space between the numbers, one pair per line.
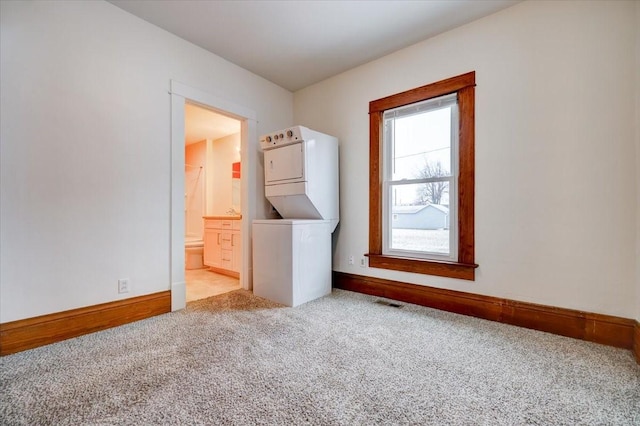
464, 86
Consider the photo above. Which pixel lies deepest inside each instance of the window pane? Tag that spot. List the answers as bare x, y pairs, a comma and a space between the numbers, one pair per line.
419, 217
421, 240
420, 144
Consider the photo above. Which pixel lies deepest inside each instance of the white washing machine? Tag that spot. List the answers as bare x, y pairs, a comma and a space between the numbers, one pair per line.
291, 260
292, 256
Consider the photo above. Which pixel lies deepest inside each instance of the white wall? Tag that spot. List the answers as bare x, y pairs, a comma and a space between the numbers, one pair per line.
85, 149
638, 161
224, 153
556, 194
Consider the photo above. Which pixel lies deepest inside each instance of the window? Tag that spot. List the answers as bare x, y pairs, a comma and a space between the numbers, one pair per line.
422, 180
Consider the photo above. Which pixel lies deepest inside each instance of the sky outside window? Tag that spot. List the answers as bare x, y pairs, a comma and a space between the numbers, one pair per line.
420, 140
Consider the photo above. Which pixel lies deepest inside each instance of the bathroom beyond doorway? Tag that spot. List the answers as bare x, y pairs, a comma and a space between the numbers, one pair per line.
212, 186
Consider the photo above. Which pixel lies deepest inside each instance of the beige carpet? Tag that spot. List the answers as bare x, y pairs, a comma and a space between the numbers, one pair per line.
340, 360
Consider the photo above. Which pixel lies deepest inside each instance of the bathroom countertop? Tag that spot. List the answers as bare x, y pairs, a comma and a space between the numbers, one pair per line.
224, 217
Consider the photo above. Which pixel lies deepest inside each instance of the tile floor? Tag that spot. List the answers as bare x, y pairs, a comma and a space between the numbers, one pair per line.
202, 283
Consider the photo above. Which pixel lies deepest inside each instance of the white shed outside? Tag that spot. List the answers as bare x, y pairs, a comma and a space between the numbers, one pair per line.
430, 216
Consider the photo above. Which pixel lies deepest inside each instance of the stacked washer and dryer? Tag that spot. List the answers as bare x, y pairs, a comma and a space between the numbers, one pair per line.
292, 255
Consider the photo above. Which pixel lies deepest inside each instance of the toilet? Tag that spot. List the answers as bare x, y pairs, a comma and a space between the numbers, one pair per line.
193, 252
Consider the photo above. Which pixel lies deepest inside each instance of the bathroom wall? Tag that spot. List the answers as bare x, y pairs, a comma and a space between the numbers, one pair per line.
85, 166
195, 154
224, 152
208, 191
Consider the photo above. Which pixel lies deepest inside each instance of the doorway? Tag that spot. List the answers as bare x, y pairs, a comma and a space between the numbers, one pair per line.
182, 95
212, 169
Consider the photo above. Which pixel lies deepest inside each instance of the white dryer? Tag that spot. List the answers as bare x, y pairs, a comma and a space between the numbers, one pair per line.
301, 173
292, 256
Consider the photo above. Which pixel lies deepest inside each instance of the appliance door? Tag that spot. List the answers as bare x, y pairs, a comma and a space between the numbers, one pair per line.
291, 260
284, 164
272, 260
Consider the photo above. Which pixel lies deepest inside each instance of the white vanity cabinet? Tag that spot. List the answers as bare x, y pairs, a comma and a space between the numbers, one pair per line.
222, 244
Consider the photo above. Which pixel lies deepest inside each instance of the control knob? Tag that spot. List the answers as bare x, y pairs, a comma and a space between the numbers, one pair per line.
289, 133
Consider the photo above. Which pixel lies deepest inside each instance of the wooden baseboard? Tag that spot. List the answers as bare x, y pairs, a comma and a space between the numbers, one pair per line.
224, 272
604, 329
636, 342
30, 333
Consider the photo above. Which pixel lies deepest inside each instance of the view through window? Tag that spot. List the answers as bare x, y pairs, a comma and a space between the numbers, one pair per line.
420, 141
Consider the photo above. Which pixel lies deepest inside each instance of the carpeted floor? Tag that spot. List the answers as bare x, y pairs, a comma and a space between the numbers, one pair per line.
340, 360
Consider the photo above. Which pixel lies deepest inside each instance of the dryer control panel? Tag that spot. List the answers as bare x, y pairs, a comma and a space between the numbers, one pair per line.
282, 137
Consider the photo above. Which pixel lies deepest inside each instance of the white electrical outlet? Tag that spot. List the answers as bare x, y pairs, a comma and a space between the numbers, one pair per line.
350, 260
363, 262
123, 285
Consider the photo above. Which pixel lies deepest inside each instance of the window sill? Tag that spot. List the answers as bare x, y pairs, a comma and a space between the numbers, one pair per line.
462, 271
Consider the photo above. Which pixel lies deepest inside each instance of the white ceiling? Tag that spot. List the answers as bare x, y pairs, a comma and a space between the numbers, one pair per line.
201, 124
297, 43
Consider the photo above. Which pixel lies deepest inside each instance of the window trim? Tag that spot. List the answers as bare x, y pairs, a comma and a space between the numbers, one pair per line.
464, 268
